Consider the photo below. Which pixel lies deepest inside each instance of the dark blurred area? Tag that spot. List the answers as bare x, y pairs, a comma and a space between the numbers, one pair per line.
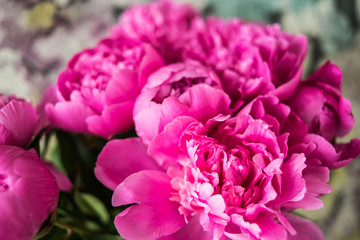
38, 37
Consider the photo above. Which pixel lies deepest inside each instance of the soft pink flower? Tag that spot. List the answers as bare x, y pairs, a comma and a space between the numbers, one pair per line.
177, 90
28, 193
97, 91
235, 178
318, 101
17, 121
251, 59
160, 23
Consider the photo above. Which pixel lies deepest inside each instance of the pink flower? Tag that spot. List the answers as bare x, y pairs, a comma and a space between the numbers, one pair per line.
176, 90
234, 178
17, 121
160, 23
28, 193
251, 59
318, 101
97, 91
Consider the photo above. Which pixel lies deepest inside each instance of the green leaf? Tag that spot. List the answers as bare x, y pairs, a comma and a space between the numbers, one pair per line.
89, 204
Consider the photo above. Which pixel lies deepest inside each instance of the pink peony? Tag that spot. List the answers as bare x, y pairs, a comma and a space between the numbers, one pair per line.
96, 93
161, 24
251, 59
17, 121
234, 178
28, 193
318, 101
176, 90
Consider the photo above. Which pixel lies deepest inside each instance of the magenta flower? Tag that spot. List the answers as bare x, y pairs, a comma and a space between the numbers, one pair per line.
234, 178
17, 121
160, 23
96, 93
251, 59
177, 90
28, 193
318, 101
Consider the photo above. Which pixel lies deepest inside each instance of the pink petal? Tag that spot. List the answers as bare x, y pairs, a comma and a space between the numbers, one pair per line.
49, 96
285, 90
121, 158
305, 229
147, 122
156, 215
207, 102
347, 121
143, 187
70, 116
293, 183
19, 118
348, 152
13, 219
150, 63
270, 229
191, 231
328, 73
164, 147
148, 222
122, 87
43, 201
171, 108
333, 156
61, 179
115, 119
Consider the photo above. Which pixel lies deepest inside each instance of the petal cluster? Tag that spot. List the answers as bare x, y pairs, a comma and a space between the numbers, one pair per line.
227, 139
96, 93
181, 89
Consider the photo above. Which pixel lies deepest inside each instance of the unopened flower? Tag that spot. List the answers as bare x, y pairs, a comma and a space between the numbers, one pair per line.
28, 193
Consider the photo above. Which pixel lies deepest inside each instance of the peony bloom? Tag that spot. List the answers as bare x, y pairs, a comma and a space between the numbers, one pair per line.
176, 90
251, 59
96, 93
318, 101
28, 193
233, 178
160, 23
13, 114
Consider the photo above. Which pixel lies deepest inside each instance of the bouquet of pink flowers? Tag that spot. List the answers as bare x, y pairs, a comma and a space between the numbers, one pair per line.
195, 128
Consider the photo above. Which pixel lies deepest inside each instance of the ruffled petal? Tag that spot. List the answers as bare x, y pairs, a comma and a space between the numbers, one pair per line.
164, 147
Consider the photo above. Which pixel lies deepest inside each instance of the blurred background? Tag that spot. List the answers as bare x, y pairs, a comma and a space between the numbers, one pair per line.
38, 37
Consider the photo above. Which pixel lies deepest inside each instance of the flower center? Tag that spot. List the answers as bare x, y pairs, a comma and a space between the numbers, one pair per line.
177, 88
3, 183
